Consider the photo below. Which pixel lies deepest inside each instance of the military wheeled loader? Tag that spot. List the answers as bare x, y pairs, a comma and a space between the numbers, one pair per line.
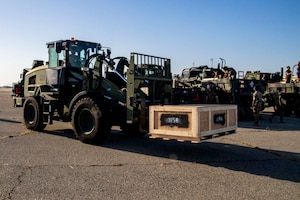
81, 83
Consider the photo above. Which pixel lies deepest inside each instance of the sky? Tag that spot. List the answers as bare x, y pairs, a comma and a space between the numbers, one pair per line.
256, 35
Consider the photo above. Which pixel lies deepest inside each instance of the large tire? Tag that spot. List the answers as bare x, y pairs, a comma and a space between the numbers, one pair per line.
33, 115
89, 122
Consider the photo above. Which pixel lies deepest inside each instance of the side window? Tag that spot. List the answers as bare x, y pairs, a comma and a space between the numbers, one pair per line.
62, 58
56, 59
53, 57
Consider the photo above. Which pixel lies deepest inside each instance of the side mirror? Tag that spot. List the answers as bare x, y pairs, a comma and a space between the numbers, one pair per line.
108, 53
58, 47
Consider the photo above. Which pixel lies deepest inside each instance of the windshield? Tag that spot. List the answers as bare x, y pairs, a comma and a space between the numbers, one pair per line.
70, 53
79, 52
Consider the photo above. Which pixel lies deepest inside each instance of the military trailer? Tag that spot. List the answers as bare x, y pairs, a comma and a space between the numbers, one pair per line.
82, 84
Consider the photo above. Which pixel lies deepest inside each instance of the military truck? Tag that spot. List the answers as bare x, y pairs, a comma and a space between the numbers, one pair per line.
230, 86
82, 84
290, 92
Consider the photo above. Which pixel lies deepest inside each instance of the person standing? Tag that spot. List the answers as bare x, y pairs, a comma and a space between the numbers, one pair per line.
279, 104
256, 104
288, 74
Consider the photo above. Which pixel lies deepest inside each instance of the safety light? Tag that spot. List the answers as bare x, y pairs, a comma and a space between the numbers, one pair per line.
72, 38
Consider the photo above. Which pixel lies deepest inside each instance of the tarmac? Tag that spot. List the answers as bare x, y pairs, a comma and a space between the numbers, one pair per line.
260, 162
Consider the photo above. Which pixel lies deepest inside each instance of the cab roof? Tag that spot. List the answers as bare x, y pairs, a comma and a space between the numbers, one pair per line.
69, 41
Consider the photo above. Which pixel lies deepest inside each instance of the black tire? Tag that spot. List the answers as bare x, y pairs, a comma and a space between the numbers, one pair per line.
33, 115
132, 130
89, 123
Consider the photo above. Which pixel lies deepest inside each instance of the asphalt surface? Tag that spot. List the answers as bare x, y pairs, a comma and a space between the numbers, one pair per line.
254, 163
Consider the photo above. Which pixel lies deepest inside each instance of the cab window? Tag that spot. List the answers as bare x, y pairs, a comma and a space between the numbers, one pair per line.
56, 59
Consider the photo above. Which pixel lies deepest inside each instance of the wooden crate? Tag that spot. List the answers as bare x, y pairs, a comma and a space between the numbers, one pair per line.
193, 122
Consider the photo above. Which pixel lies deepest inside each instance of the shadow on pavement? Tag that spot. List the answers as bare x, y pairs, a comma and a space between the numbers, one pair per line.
263, 162
10, 121
290, 123
275, 164
68, 133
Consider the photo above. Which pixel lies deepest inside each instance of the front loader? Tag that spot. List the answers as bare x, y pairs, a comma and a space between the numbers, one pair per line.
81, 84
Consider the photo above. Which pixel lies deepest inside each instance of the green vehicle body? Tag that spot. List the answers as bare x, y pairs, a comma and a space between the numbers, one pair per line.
82, 84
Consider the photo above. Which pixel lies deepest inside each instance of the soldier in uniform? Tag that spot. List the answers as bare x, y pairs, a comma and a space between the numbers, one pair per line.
279, 104
288, 74
256, 104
